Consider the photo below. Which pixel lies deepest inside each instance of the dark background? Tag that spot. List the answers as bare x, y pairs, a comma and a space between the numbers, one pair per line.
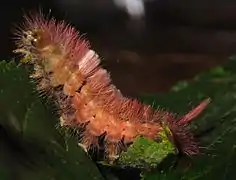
175, 40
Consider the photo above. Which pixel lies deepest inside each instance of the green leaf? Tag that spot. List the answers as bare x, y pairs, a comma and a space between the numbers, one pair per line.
147, 153
31, 145
33, 148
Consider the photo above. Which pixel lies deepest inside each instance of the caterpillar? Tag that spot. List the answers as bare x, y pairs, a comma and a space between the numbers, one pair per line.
68, 70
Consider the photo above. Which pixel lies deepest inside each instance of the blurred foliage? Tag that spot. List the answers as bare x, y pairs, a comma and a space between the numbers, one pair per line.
33, 148
215, 128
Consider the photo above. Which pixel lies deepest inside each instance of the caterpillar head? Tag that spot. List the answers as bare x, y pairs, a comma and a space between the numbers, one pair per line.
31, 38
27, 41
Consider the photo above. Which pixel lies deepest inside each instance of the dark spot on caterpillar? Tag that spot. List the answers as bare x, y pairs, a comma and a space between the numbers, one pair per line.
82, 85
58, 88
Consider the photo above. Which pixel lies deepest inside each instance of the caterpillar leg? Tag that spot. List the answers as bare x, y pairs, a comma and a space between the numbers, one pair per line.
84, 147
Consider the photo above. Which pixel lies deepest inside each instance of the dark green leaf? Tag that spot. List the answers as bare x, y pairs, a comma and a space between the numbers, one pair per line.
31, 145
215, 128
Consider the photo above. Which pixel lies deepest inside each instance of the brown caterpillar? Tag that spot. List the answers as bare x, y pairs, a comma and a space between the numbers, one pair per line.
66, 68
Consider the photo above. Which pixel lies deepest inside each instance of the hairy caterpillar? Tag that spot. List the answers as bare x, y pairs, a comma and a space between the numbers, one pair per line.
66, 68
